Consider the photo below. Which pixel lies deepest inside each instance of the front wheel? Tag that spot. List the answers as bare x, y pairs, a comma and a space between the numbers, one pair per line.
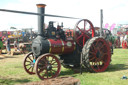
47, 66
29, 62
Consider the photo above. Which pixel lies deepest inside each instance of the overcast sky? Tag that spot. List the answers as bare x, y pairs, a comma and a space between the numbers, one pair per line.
114, 11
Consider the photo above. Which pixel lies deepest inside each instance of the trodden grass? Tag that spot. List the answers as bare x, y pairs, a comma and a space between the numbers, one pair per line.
12, 72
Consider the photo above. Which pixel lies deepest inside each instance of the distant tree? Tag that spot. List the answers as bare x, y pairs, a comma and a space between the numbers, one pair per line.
12, 28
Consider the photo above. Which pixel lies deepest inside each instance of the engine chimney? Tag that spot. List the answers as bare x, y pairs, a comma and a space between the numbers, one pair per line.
41, 10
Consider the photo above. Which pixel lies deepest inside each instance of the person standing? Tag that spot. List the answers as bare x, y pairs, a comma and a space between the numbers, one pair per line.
1, 45
8, 46
15, 45
121, 39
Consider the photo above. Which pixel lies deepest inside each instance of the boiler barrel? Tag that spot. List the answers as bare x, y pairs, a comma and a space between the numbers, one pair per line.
61, 47
41, 46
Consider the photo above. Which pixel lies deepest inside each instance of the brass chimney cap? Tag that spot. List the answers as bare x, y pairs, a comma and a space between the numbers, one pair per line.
41, 5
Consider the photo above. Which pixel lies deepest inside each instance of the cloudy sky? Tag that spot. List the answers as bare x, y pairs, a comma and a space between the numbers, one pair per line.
114, 11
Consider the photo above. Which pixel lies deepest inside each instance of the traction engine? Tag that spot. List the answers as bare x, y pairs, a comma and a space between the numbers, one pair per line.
54, 46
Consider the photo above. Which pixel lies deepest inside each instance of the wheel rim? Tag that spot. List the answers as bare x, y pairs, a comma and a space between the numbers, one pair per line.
99, 55
84, 30
29, 62
47, 66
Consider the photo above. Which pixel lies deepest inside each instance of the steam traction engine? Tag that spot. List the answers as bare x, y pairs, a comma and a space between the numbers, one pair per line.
53, 45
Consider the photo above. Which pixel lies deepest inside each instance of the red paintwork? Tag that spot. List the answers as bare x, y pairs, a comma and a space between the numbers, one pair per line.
68, 49
55, 46
124, 44
99, 64
85, 33
4, 33
127, 33
110, 44
42, 69
69, 30
60, 47
0, 34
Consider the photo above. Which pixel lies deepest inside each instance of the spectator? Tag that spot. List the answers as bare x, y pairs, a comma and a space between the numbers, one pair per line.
16, 45
1, 45
22, 48
8, 46
121, 38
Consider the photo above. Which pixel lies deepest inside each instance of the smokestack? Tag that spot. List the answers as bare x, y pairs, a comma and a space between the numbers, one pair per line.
41, 10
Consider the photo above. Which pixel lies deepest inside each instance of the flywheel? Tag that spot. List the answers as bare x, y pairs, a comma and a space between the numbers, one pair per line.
83, 31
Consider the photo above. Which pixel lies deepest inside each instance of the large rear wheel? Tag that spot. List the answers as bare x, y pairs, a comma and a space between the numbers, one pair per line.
96, 54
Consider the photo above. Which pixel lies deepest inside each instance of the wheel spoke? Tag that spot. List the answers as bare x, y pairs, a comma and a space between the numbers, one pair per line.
43, 75
94, 48
30, 59
97, 42
44, 60
52, 60
54, 66
53, 70
103, 55
53, 63
87, 36
27, 64
47, 73
29, 68
101, 47
93, 53
32, 69
47, 58
80, 29
42, 69
83, 40
92, 58
51, 73
79, 37
84, 25
97, 63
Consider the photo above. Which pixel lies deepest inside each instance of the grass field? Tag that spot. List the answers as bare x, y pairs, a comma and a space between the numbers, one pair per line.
12, 72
